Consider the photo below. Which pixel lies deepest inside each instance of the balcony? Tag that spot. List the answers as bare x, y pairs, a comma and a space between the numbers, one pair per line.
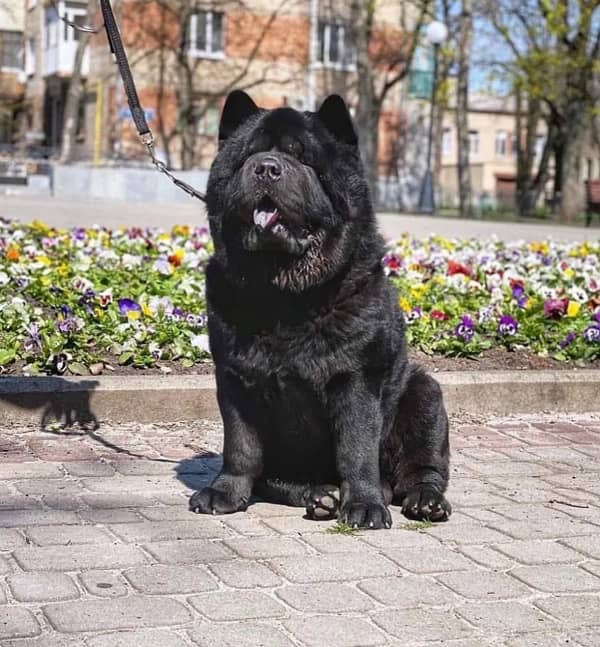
60, 40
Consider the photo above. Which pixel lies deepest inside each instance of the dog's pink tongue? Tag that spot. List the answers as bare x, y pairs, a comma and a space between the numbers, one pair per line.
265, 218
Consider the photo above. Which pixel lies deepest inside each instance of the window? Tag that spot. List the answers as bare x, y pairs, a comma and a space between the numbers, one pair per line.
501, 141
474, 142
206, 36
208, 122
51, 27
447, 141
11, 49
77, 13
540, 142
336, 48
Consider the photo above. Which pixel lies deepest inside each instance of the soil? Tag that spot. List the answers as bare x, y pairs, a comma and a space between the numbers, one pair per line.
495, 359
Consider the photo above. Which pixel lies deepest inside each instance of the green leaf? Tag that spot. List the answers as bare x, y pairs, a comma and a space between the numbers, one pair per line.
7, 356
125, 357
76, 368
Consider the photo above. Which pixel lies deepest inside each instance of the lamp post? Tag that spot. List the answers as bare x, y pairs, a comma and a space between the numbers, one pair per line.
435, 34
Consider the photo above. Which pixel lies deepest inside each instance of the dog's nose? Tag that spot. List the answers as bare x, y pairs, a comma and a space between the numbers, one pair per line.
268, 168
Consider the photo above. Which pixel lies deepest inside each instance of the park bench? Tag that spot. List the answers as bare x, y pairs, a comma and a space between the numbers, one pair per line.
592, 194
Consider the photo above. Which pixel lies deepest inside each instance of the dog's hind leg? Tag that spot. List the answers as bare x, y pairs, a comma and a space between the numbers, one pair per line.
320, 501
415, 455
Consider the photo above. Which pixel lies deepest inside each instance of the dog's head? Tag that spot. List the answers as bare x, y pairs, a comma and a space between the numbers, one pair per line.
286, 196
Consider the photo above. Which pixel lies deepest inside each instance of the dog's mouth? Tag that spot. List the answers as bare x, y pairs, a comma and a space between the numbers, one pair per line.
266, 213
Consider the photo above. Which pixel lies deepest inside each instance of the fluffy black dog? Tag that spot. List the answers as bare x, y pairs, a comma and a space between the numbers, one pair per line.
320, 406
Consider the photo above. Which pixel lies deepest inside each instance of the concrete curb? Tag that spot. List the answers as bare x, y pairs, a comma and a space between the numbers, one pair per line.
156, 398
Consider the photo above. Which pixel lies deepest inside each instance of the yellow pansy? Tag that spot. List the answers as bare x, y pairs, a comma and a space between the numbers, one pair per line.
133, 314
404, 304
573, 308
418, 291
147, 310
44, 260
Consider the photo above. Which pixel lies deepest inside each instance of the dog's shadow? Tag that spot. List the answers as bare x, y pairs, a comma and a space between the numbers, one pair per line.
199, 471
63, 404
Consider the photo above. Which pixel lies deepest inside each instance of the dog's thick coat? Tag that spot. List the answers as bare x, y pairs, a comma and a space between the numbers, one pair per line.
319, 404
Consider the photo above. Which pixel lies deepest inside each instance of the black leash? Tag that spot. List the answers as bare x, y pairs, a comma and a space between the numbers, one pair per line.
137, 113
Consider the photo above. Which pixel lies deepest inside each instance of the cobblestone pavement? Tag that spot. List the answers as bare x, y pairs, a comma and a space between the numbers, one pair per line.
97, 548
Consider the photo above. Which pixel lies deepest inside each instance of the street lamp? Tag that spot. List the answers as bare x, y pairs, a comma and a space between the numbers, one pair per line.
435, 33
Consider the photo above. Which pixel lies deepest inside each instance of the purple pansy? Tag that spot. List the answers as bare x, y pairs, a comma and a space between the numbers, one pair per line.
507, 325
128, 305
519, 295
569, 339
465, 329
555, 308
592, 333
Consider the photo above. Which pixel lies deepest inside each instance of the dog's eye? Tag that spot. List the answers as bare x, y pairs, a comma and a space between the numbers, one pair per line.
291, 146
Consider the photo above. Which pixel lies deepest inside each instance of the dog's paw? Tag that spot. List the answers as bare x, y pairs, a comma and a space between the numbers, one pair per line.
426, 502
322, 502
212, 501
365, 515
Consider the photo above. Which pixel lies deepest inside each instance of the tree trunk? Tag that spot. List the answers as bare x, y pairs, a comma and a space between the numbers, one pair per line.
462, 108
571, 189
367, 107
71, 115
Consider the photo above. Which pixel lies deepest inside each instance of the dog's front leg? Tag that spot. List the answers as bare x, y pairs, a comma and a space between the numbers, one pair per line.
356, 415
242, 456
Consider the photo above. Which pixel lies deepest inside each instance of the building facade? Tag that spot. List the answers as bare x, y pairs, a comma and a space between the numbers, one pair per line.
12, 78
185, 57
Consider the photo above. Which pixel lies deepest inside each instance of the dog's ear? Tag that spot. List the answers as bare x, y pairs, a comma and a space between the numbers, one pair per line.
334, 115
238, 108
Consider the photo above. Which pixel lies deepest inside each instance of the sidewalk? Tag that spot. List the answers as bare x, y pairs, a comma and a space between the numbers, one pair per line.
97, 548
78, 213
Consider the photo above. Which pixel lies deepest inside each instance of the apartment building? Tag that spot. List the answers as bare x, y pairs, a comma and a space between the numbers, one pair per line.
11, 68
185, 56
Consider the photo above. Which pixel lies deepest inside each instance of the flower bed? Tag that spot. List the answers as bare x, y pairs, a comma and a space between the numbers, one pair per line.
76, 301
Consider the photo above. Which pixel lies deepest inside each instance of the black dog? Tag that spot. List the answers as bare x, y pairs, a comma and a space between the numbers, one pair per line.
320, 406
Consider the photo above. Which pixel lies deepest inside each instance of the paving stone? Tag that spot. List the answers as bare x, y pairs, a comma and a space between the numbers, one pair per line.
245, 574
297, 525
322, 568
73, 558
45, 639
42, 587
133, 612
585, 545
505, 617
89, 468
265, 510
592, 567
264, 548
191, 551
487, 556
170, 512
542, 640
484, 585
239, 634
552, 529
573, 610
17, 622
18, 502
159, 579
65, 535
326, 597
538, 552
118, 500
555, 578
145, 637
4, 566
145, 468
150, 531
528, 468
429, 561
473, 533
10, 539
333, 543
407, 591
119, 515
105, 584
31, 470
47, 486
586, 638
423, 625
316, 631
558, 427
63, 502
248, 526
18, 518
237, 605
134, 484
2, 595
395, 538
